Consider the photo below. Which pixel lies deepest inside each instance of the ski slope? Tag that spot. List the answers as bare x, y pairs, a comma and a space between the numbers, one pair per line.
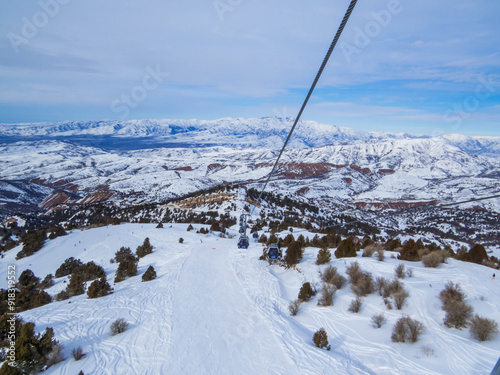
216, 309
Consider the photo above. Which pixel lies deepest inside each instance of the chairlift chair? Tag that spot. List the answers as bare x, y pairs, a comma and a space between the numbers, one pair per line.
243, 242
274, 251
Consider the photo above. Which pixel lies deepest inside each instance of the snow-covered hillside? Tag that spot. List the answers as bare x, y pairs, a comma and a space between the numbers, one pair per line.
402, 169
216, 309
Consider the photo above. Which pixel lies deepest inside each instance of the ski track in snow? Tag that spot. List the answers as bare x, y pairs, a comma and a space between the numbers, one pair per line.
264, 290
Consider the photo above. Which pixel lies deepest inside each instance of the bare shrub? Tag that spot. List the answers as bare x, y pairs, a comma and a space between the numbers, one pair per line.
483, 329
118, 326
320, 339
409, 272
399, 331
338, 280
380, 284
458, 314
77, 353
415, 328
355, 305
434, 259
364, 285
428, 351
328, 273
378, 320
368, 251
399, 298
380, 255
400, 271
331, 276
294, 307
326, 297
354, 272
407, 329
451, 292
392, 287
388, 303
55, 356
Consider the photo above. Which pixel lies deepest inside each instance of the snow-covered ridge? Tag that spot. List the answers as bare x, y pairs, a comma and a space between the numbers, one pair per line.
227, 130
234, 132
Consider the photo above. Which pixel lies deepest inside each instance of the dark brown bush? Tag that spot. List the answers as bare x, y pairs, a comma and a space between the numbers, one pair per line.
483, 329
294, 307
328, 273
400, 271
118, 326
380, 284
78, 353
434, 259
458, 314
451, 292
320, 339
354, 272
364, 285
355, 305
380, 255
368, 251
326, 296
407, 329
378, 320
399, 298
392, 287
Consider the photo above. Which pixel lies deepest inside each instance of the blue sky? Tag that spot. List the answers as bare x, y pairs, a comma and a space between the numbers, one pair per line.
421, 67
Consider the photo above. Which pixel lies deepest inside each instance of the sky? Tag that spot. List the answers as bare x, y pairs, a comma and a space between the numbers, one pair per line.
422, 67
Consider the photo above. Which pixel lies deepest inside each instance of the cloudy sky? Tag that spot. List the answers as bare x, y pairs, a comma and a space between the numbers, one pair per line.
421, 67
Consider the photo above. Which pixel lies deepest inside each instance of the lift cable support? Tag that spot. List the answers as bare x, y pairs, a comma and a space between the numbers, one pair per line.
320, 72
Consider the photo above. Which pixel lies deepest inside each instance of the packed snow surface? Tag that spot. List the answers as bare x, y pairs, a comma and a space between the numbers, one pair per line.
217, 309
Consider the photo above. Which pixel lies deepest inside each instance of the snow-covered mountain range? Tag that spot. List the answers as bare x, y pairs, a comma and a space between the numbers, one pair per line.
152, 160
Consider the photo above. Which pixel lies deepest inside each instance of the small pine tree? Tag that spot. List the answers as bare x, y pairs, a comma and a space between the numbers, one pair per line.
149, 275
68, 267
320, 339
144, 249
477, 254
122, 254
306, 292
293, 253
346, 248
410, 250
99, 288
190, 228
160, 225
47, 282
324, 256
76, 284
126, 268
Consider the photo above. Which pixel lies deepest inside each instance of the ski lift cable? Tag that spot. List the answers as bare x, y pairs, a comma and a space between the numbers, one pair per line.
318, 75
